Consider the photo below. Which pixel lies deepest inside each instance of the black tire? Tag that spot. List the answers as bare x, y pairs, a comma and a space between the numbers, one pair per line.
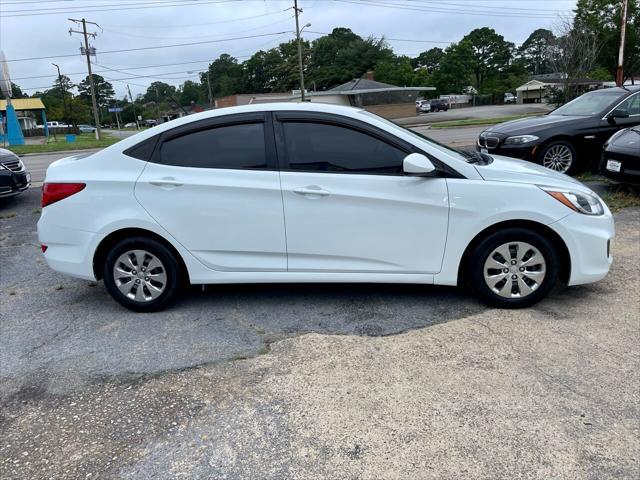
573, 168
480, 254
170, 266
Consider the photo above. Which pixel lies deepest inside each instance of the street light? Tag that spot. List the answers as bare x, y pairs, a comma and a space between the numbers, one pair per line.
64, 101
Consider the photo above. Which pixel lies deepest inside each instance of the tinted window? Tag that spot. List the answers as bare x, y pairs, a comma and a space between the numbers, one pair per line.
588, 104
143, 150
632, 105
233, 146
330, 148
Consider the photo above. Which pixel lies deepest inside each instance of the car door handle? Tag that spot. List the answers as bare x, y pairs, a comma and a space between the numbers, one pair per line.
166, 182
311, 190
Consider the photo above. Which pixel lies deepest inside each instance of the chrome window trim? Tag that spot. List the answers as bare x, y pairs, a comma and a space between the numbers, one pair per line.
620, 103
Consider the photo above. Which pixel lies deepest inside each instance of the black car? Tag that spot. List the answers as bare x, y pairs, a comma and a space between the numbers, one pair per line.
570, 137
437, 105
621, 157
14, 178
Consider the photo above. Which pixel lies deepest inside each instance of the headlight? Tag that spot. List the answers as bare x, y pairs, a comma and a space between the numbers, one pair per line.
577, 201
520, 139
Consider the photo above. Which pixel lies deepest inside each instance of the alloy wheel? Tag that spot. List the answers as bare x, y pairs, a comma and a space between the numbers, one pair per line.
558, 158
139, 275
514, 270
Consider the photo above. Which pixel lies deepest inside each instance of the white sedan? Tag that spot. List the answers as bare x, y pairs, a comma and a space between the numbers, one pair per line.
315, 193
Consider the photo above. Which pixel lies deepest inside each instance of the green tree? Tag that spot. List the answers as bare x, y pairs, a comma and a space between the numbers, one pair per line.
159, 92
603, 19
536, 53
455, 71
226, 75
342, 56
396, 71
487, 52
429, 60
190, 91
104, 90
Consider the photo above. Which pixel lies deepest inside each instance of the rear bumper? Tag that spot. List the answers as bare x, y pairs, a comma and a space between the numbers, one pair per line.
69, 251
588, 239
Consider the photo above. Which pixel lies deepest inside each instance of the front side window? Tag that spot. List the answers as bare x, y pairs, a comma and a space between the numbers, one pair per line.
232, 147
331, 148
631, 105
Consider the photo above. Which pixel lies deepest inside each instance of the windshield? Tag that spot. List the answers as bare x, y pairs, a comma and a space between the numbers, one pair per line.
588, 104
460, 155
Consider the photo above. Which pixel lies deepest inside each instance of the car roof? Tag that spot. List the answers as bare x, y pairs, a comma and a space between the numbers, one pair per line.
620, 90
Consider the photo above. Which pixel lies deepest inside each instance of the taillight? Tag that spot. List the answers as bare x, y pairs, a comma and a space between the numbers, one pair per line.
53, 192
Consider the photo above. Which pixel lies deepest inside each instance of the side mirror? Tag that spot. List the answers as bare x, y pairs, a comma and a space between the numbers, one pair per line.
418, 165
619, 113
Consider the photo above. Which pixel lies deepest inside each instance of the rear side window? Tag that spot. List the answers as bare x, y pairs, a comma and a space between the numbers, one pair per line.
143, 150
332, 148
231, 146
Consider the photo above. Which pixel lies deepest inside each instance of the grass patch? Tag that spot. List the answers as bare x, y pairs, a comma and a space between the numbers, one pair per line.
477, 121
624, 197
83, 142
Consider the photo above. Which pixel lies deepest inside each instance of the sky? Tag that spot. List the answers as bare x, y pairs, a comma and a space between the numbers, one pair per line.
40, 28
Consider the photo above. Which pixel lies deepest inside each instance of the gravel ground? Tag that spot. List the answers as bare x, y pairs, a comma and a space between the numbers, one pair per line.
320, 381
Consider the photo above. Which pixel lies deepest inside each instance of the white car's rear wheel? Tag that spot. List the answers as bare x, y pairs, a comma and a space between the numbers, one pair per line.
142, 274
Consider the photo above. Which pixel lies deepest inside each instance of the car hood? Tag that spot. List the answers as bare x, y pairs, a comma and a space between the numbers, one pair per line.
532, 124
506, 169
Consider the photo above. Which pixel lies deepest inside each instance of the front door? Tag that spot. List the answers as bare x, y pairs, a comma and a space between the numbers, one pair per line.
609, 126
216, 189
348, 206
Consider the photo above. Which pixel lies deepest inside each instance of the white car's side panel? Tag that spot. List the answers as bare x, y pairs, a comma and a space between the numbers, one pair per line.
364, 223
231, 220
476, 206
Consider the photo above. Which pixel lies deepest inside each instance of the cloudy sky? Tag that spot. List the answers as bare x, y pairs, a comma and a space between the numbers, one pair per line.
39, 28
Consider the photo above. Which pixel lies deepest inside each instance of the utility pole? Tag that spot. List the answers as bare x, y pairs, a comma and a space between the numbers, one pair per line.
96, 116
135, 114
209, 86
298, 11
64, 101
623, 28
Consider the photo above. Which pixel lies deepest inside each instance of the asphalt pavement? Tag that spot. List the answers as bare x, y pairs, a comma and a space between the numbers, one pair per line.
314, 381
473, 113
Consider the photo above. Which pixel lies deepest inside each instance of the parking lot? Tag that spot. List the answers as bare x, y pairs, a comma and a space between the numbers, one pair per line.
314, 381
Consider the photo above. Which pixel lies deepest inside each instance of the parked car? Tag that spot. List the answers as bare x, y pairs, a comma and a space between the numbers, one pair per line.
509, 98
423, 106
54, 124
311, 192
621, 156
569, 137
84, 128
130, 125
150, 123
439, 104
14, 177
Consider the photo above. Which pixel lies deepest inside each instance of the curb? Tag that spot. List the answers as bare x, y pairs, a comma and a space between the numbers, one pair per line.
71, 152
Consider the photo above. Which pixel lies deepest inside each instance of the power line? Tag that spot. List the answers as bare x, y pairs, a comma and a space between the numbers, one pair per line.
153, 47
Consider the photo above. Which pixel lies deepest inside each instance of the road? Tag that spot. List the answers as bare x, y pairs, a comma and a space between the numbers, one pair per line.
455, 137
314, 381
488, 111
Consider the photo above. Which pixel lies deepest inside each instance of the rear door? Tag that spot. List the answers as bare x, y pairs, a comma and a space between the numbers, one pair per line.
348, 206
214, 186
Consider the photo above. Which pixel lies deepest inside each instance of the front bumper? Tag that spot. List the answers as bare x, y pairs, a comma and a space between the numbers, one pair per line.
629, 168
588, 239
527, 152
13, 183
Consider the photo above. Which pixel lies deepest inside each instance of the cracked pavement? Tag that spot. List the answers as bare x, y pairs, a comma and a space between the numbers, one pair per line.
315, 381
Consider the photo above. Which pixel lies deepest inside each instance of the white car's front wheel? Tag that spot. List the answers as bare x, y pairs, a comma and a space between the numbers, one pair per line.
514, 268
